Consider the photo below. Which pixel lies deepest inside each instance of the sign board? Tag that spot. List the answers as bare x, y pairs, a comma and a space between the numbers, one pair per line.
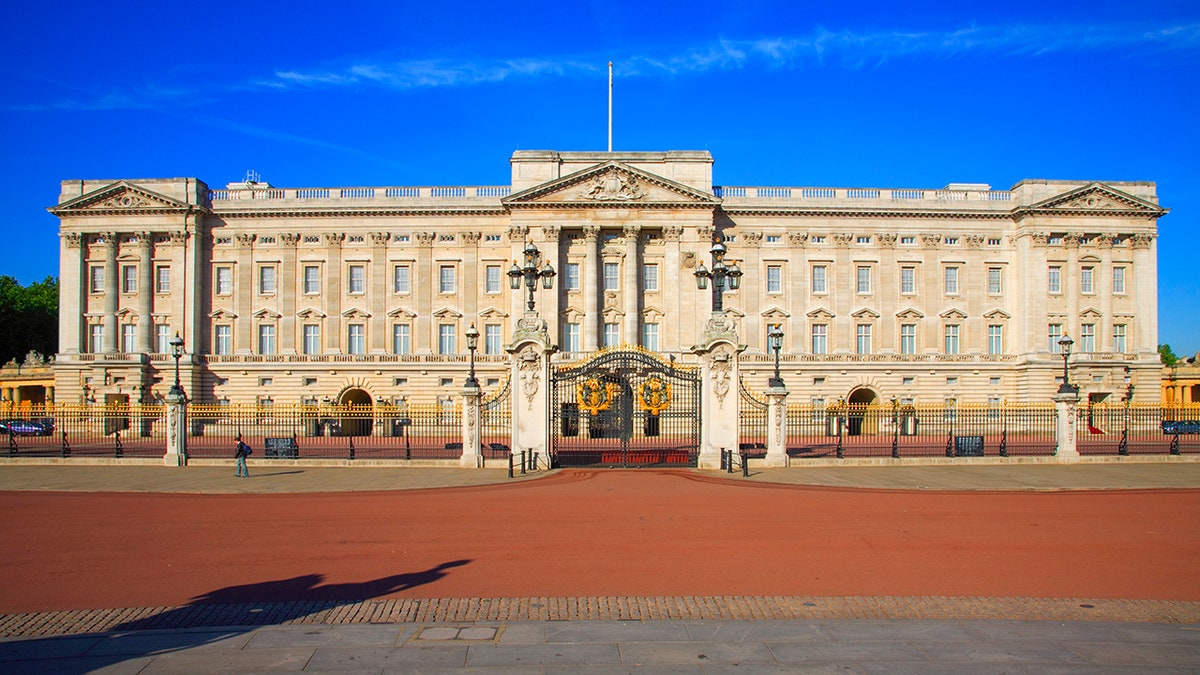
968, 446
280, 448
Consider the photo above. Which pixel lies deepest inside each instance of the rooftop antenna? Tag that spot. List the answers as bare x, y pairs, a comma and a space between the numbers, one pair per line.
252, 176
610, 106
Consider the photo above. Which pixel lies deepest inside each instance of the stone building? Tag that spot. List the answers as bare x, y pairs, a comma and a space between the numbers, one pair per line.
364, 294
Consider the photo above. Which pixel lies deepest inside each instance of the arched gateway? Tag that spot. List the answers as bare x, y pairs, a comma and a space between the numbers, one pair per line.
625, 407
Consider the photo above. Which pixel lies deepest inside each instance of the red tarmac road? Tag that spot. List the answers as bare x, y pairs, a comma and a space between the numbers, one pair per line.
577, 533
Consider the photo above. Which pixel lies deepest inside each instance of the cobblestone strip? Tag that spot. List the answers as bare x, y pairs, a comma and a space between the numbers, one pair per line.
634, 608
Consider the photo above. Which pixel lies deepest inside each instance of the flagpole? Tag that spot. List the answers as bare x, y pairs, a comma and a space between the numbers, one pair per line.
610, 106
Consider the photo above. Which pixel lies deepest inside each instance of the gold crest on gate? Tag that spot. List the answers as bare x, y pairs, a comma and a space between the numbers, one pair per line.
594, 395
654, 395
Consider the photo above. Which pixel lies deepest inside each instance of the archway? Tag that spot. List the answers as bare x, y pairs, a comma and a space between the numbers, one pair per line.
863, 415
357, 413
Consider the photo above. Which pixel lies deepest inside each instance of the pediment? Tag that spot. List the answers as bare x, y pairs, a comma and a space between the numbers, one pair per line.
1097, 199
997, 315
222, 314
611, 184
356, 313
653, 314
311, 313
120, 197
127, 313
909, 314
1090, 313
612, 315
401, 313
775, 314
493, 313
735, 313
865, 313
954, 314
1089, 259
267, 314
447, 313
573, 315
820, 313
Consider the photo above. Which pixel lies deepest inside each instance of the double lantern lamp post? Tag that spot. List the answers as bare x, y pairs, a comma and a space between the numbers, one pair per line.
531, 272
775, 344
472, 345
1065, 343
176, 344
722, 275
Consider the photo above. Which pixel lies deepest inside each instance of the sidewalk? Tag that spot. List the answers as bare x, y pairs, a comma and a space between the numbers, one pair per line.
268, 478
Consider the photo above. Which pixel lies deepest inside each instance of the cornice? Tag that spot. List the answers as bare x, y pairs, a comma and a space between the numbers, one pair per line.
818, 212
359, 212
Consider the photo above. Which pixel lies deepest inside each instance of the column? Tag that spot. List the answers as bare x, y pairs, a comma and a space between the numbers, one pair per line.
631, 285
1066, 408
425, 283
112, 290
333, 337
590, 279
145, 298
291, 286
72, 334
549, 301
473, 286
378, 332
245, 290
672, 280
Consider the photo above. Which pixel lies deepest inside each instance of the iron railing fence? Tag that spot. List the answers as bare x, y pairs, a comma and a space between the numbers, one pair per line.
753, 421
426, 431
1138, 429
496, 414
856, 430
85, 430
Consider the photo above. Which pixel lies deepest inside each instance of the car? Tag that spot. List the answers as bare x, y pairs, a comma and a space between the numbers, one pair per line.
25, 428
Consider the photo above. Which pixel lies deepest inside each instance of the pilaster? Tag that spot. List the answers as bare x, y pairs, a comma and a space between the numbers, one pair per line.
776, 427
472, 419
1066, 406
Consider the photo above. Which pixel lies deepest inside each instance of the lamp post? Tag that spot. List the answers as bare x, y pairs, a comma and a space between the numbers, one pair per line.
722, 275
1065, 343
177, 351
775, 343
533, 269
472, 344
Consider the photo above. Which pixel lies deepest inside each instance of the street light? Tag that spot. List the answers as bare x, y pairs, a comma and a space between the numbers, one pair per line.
775, 343
723, 276
531, 272
472, 344
177, 351
1065, 343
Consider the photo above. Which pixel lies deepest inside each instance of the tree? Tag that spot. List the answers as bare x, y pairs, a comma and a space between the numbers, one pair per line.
28, 318
1166, 355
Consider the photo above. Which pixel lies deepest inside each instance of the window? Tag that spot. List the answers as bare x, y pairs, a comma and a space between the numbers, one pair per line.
951, 281
312, 339
224, 280
446, 279
1119, 338
908, 338
773, 239
1054, 333
129, 278
1118, 280
356, 342
650, 277
96, 338
612, 335
358, 279
491, 339
447, 343
611, 270
401, 279
571, 334
266, 339
996, 339
863, 278
1087, 280
774, 279
571, 278
952, 338
820, 335
128, 338
863, 240
401, 339
312, 279
223, 340
951, 241
1087, 337
994, 286
1054, 279
863, 338
908, 241
650, 336
162, 339
908, 280
162, 279
818, 279
492, 279
993, 241
818, 239
96, 279
266, 280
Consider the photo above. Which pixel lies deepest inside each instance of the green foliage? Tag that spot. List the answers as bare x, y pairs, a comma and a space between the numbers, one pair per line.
1168, 357
28, 318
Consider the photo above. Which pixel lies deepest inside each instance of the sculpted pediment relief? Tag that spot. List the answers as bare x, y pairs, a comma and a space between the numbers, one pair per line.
1098, 199
120, 197
611, 184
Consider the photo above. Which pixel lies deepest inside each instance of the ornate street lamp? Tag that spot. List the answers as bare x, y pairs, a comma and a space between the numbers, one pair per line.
775, 343
472, 344
177, 351
1065, 343
723, 276
531, 272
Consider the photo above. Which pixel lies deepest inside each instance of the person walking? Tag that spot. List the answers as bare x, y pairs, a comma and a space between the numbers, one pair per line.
240, 455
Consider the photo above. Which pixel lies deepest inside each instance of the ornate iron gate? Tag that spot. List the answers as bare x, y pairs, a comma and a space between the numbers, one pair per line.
625, 407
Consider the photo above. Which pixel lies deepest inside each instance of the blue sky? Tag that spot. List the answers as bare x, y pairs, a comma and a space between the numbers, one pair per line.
417, 93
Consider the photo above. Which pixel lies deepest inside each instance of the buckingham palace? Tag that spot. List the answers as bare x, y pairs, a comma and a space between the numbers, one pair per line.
366, 294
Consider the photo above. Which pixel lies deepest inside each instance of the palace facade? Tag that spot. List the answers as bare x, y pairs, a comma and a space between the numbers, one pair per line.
357, 295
